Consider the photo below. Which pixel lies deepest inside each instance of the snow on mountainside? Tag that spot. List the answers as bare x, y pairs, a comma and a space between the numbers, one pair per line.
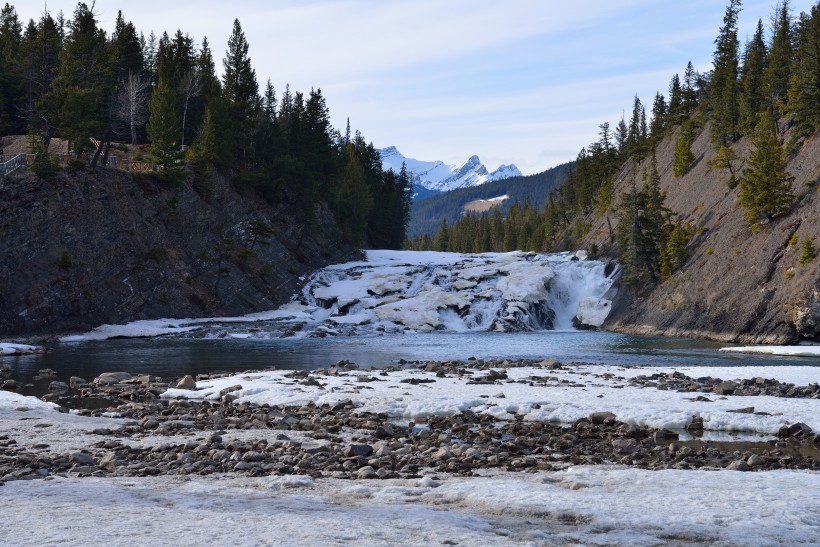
442, 177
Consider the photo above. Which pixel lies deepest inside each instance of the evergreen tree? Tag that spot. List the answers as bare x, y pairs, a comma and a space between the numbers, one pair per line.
808, 253
621, 138
40, 62
163, 131
683, 158
657, 127
674, 254
241, 90
778, 71
675, 111
637, 130
752, 96
723, 159
11, 42
804, 85
239, 78
204, 151
766, 186
80, 99
440, 241
724, 85
690, 95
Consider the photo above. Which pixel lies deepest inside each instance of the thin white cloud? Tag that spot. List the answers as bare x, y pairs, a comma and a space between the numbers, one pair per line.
523, 81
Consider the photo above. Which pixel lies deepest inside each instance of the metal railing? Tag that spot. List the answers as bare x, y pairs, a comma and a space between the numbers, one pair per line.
12, 164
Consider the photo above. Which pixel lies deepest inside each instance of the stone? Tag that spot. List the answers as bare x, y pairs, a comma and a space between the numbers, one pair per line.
664, 435
799, 430
358, 451
187, 382
550, 364
602, 417
738, 465
81, 458
725, 388
625, 446
755, 461
745, 410
57, 387
807, 321
109, 378
366, 472
230, 389
75, 381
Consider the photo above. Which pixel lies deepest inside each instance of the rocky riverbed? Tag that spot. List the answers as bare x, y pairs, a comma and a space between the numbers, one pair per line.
155, 429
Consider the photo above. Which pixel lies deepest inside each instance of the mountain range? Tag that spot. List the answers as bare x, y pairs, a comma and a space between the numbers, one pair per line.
437, 176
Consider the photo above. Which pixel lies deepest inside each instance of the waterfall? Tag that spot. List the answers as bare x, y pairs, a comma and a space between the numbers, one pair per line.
401, 291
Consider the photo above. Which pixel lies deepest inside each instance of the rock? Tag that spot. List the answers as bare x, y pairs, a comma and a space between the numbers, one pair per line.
625, 446
187, 382
602, 417
366, 472
109, 378
149, 423
75, 381
745, 410
799, 430
664, 435
81, 458
725, 388
384, 432
550, 364
807, 321
755, 461
57, 387
358, 451
738, 465
230, 389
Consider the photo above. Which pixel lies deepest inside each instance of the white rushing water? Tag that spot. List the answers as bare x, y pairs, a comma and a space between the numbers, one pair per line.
395, 291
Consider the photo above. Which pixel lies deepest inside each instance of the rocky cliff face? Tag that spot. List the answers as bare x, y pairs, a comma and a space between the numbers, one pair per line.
87, 249
738, 285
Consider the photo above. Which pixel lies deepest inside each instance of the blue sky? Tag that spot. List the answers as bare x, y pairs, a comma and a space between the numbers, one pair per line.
523, 81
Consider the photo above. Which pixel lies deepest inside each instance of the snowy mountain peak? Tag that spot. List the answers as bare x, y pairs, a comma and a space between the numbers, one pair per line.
439, 176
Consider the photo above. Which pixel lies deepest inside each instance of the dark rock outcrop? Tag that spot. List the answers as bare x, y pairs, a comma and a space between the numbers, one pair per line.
85, 249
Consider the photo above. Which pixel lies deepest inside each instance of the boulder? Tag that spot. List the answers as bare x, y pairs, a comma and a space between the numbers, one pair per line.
602, 417
187, 382
807, 321
108, 378
75, 381
57, 387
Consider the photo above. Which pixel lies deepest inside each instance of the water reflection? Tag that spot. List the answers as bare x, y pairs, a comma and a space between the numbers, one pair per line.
178, 356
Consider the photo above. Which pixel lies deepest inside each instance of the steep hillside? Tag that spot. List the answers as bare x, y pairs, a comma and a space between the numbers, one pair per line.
426, 215
737, 285
86, 249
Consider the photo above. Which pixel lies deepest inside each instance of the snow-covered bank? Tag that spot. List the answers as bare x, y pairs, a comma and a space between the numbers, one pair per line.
588, 505
7, 348
792, 351
409, 291
531, 394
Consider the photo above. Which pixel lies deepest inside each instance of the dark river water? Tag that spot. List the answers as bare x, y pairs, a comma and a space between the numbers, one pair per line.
179, 356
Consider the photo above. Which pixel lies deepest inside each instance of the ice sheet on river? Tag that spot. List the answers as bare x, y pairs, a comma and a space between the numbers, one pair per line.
410, 291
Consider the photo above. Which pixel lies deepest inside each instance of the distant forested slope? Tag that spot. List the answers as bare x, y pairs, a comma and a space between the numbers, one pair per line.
426, 214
